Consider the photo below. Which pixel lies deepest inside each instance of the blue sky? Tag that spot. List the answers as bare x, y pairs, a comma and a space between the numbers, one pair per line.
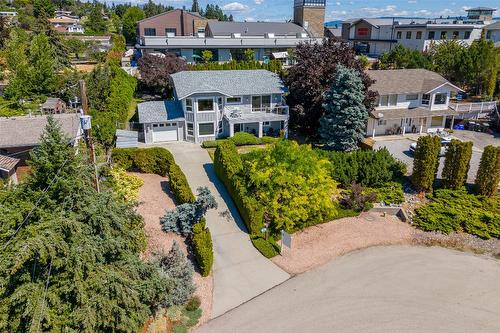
280, 10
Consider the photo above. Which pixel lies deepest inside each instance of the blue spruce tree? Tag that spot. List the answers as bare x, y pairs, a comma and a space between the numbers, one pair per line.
344, 123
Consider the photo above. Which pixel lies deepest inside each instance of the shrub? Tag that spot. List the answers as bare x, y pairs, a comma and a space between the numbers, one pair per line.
193, 304
268, 140
358, 199
390, 193
452, 210
179, 185
125, 186
245, 139
269, 249
488, 175
154, 160
211, 143
426, 162
203, 248
456, 164
124, 157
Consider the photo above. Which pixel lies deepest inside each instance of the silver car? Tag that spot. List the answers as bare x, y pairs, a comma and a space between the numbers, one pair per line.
445, 141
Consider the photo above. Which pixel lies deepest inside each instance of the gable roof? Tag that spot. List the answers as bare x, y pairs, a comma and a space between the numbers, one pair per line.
406, 81
51, 102
227, 82
159, 111
196, 14
8, 163
218, 28
27, 131
493, 26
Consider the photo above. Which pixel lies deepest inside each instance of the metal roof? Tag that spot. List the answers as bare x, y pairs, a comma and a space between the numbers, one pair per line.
159, 111
8, 163
228, 82
26, 131
406, 81
481, 8
218, 28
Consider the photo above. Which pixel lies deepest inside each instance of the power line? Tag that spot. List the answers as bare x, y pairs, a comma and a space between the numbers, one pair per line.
44, 296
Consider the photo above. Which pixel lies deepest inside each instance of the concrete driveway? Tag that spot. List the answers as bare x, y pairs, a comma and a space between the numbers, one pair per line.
240, 271
381, 289
399, 147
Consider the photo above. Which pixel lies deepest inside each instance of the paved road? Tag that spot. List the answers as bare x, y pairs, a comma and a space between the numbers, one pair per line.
382, 289
240, 271
399, 147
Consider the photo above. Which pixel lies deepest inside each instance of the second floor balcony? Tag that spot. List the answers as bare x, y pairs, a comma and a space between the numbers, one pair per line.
243, 113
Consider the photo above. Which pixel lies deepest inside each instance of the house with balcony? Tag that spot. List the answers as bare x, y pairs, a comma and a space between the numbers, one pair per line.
214, 104
418, 101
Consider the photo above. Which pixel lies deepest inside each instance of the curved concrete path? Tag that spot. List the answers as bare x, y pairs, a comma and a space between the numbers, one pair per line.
380, 289
240, 271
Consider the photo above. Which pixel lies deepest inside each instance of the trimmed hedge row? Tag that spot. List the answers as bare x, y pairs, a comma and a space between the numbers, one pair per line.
227, 164
269, 249
158, 161
241, 139
202, 246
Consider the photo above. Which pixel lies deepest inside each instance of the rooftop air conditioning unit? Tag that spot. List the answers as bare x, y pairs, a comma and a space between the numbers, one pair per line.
236, 35
269, 35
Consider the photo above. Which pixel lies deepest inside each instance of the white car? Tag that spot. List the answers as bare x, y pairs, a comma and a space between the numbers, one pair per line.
445, 141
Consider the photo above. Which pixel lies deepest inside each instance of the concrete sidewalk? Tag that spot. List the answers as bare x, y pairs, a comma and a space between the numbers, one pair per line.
240, 271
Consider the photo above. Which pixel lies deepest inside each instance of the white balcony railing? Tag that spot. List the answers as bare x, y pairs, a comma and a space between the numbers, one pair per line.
240, 111
473, 107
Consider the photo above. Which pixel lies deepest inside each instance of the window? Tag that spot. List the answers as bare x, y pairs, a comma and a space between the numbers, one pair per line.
233, 100
408, 35
220, 127
437, 121
443, 34
419, 35
206, 129
190, 129
205, 104
384, 101
393, 100
398, 35
149, 31
382, 122
412, 97
201, 30
266, 123
455, 34
431, 35
467, 35
261, 103
440, 99
362, 32
488, 34
189, 105
426, 99
155, 125
170, 32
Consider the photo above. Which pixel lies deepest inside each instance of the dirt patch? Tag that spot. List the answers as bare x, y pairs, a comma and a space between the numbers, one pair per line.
315, 246
155, 198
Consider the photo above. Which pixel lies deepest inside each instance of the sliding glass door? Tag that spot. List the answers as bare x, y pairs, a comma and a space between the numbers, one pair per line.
261, 103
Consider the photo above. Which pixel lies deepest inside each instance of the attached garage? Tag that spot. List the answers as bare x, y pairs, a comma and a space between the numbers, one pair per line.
165, 132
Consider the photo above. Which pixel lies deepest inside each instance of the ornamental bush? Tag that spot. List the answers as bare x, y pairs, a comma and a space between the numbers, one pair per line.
203, 248
456, 164
269, 249
245, 139
179, 185
426, 162
125, 186
460, 211
488, 174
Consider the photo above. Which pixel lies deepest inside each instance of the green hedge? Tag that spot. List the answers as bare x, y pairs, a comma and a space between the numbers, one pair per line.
269, 249
227, 164
203, 248
158, 161
457, 210
241, 139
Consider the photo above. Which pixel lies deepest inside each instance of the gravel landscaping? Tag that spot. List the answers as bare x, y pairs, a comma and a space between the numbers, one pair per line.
155, 198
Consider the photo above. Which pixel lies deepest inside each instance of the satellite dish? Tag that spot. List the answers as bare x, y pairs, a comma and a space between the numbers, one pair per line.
380, 115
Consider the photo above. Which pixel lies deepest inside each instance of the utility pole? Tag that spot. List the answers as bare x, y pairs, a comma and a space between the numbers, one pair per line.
87, 132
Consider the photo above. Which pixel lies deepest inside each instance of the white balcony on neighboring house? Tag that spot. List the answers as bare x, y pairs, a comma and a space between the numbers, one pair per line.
473, 110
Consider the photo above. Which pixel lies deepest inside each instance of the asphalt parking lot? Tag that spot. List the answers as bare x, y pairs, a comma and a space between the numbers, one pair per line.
399, 148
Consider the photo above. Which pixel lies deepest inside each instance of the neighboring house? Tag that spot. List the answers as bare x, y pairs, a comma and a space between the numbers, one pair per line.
492, 32
8, 168
229, 40
19, 135
53, 106
103, 42
11, 16
370, 36
67, 24
215, 104
417, 101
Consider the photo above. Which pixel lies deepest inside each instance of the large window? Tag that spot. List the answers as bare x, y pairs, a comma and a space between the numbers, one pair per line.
443, 34
456, 34
431, 35
190, 129
233, 100
426, 99
467, 35
440, 99
205, 104
170, 32
398, 35
149, 31
261, 103
393, 100
384, 100
189, 105
408, 35
206, 129
419, 35
412, 97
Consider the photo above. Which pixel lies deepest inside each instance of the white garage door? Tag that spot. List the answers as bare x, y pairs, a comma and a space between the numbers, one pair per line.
165, 132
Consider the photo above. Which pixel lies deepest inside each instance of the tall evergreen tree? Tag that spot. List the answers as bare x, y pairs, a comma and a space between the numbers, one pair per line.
426, 162
457, 164
130, 19
42, 59
488, 175
343, 125
96, 23
195, 8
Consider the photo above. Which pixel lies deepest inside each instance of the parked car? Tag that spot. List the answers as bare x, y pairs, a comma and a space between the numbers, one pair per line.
445, 141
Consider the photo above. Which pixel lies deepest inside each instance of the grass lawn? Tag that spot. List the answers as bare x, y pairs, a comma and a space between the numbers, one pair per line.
132, 108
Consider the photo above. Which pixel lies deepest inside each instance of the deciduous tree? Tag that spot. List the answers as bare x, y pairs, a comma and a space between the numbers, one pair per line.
130, 19
155, 70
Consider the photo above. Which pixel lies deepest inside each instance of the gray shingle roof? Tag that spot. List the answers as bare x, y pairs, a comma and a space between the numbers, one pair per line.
493, 26
8, 163
229, 83
159, 111
218, 28
50, 103
405, 81
26, 131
